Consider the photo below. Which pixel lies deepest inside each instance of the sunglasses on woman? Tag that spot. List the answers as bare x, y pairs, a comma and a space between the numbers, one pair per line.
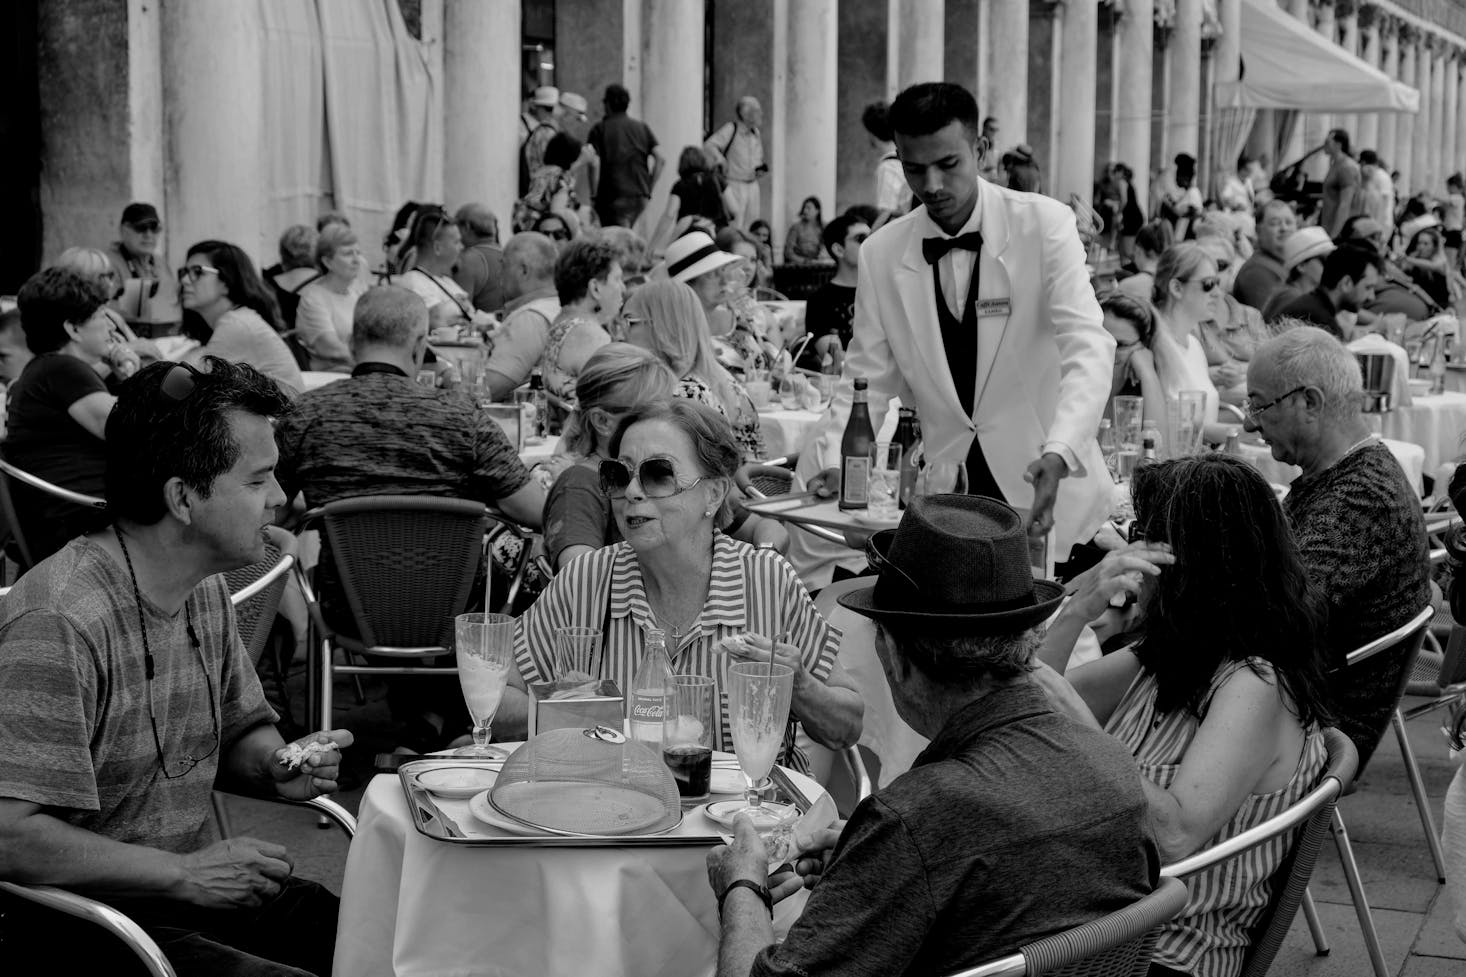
1210, 283
657, 476
192, 273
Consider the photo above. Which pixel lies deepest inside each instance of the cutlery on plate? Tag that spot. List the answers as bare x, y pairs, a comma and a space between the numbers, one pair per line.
426, 806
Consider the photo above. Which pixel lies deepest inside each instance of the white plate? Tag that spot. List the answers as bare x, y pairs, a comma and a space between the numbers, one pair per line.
456, 782
479, 807
722, 811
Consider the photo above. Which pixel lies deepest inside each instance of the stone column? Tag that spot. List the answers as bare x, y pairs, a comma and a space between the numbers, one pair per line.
919, 40
1226, 65
1183, 59
1073, 160
1006, 44
1318, 124
1295, 145
1369, 50
1389, 63
1420, 175
213, 97
1460, 81
1405, 122
1435, 139
811, 91
1347, 27
1450, 105
481, 103
1135, 33
671, 87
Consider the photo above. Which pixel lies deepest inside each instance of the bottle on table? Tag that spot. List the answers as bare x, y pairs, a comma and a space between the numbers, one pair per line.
1150, 437
908, 436
1147, 450
647, 697
855, 451
538, 424
1438, 366
1109, 450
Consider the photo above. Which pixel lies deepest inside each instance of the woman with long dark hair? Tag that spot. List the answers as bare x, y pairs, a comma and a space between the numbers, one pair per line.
1222, 697
231, 313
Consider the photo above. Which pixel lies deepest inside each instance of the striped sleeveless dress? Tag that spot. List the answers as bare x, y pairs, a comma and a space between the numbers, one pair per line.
1212, 935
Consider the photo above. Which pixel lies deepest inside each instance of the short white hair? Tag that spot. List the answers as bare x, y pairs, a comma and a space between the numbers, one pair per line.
1305, 355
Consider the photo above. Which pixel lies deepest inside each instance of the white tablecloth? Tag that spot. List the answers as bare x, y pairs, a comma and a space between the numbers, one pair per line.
1410, 456
412, 905
785, 431
1433, 421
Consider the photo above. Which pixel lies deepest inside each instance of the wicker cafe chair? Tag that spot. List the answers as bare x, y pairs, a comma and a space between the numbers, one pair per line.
154, 963
28, 555
407, 565
1117, 945
761, 480
1312, 817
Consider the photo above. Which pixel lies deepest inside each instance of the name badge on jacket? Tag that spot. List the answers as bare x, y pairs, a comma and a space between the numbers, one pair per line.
994, 307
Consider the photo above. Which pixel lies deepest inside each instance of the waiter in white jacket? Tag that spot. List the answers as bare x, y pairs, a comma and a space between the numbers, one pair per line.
976, 309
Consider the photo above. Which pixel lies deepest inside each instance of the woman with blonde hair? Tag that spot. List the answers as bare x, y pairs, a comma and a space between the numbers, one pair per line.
667, 318
327, 304
124, 357
1186, 293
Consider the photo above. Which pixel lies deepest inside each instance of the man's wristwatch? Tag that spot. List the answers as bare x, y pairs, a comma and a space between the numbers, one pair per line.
762, 891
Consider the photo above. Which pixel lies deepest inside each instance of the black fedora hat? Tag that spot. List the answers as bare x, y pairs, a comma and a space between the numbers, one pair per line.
956, 562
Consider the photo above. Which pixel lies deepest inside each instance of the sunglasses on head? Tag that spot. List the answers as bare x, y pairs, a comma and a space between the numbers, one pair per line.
657, 476
180, 382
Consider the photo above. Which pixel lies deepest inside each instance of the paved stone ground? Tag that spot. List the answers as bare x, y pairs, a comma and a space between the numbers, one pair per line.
1412, 913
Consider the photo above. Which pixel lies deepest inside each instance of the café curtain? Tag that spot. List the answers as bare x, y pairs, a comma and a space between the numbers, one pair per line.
354, 114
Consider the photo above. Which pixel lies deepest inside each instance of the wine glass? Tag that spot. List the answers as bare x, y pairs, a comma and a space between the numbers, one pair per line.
940, 477
485, 651
758, 712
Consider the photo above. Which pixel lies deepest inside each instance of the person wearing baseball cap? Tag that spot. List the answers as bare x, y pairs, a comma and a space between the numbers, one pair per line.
964, 857
149, 292
539, 127
1303, 255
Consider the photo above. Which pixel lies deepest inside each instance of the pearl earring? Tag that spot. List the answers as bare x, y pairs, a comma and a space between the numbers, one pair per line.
707, 512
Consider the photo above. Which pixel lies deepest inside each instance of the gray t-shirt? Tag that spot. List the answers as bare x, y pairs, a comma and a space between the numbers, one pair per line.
74, 699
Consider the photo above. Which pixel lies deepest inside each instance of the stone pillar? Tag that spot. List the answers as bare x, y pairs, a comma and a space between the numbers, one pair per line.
1347, 28
1295, 148
213, 96
1227, 65
919, 41
1072, 162
1183, 57
1405, 122
1460, 81
1370, 51
1389, 63
1450, 105
862, 80
1006, 44
1420, 175
100, 82
1435, 139
1135, 32
808, 157
671, 88
481, 102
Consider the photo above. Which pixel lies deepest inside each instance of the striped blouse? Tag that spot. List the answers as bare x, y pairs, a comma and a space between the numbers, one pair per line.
1212, 935
750, 590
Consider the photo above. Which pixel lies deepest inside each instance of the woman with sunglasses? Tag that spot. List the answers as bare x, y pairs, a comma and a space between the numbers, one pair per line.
618, 380
1186, 293
1233, 335
230, 312
667, 319
1221, 700
1132, 324
669, 476
126, 354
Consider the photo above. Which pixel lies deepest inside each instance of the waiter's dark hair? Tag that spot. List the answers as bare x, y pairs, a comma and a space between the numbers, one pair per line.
923, 109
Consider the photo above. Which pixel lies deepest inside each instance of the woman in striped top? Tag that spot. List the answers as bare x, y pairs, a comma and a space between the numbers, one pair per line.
670, 471
1222, 698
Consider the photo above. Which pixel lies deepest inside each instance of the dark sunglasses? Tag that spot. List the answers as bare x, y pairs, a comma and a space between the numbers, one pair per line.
557, 234
1209, 283
657, 476
180, 382
193, 273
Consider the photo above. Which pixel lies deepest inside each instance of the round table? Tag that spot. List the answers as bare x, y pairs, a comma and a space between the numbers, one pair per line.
414, 905
1433, 421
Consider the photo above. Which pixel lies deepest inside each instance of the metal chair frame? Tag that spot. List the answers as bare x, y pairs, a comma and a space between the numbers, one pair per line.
323, 639
1113, 945
12, 517
744, 477
119, 924
1313, 815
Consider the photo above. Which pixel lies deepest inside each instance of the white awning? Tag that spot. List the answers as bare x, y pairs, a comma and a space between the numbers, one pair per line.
1286, 65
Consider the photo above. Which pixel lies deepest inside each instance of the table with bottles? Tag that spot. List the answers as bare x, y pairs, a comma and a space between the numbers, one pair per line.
1435, 422
415, 905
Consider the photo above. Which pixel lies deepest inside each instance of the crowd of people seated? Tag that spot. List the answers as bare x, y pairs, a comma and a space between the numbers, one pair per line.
1168, 695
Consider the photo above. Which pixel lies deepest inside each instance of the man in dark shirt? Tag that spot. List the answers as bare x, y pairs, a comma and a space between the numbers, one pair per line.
829, 315
480, 268
1350, 273
625, 145
1354, 514
1263, 274
1015, 823
1342, 187
381, 433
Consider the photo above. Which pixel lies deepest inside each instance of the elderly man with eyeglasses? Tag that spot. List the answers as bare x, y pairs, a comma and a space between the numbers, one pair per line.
1355, 517
126, 697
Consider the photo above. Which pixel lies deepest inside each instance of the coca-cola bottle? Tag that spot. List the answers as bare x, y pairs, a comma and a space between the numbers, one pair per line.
647, 698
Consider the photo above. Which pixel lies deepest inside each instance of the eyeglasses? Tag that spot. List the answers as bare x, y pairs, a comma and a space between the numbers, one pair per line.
1252, 412
192, 273
556, 233
1208, 283
657, 476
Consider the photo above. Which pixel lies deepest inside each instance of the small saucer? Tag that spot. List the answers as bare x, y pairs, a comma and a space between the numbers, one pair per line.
722, 811
456, 782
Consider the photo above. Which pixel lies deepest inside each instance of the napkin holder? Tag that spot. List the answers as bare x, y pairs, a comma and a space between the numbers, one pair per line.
599, 704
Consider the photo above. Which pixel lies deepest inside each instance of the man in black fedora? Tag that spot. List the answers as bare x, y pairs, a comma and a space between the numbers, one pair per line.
1015, 823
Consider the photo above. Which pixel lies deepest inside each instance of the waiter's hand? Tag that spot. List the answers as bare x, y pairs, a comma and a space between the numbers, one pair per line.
1044, 475
825, 485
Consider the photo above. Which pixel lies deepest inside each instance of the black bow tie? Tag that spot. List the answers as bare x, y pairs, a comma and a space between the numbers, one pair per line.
933, 248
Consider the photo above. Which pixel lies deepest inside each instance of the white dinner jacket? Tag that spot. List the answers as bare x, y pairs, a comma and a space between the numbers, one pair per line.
1044, 359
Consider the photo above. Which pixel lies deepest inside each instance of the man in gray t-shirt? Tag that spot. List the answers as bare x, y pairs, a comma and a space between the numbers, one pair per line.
126, 697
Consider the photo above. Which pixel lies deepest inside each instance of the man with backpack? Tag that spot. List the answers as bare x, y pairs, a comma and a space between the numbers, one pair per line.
539, 125
737, 151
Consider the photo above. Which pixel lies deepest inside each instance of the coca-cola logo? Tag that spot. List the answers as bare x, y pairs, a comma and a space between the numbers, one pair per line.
647, 710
